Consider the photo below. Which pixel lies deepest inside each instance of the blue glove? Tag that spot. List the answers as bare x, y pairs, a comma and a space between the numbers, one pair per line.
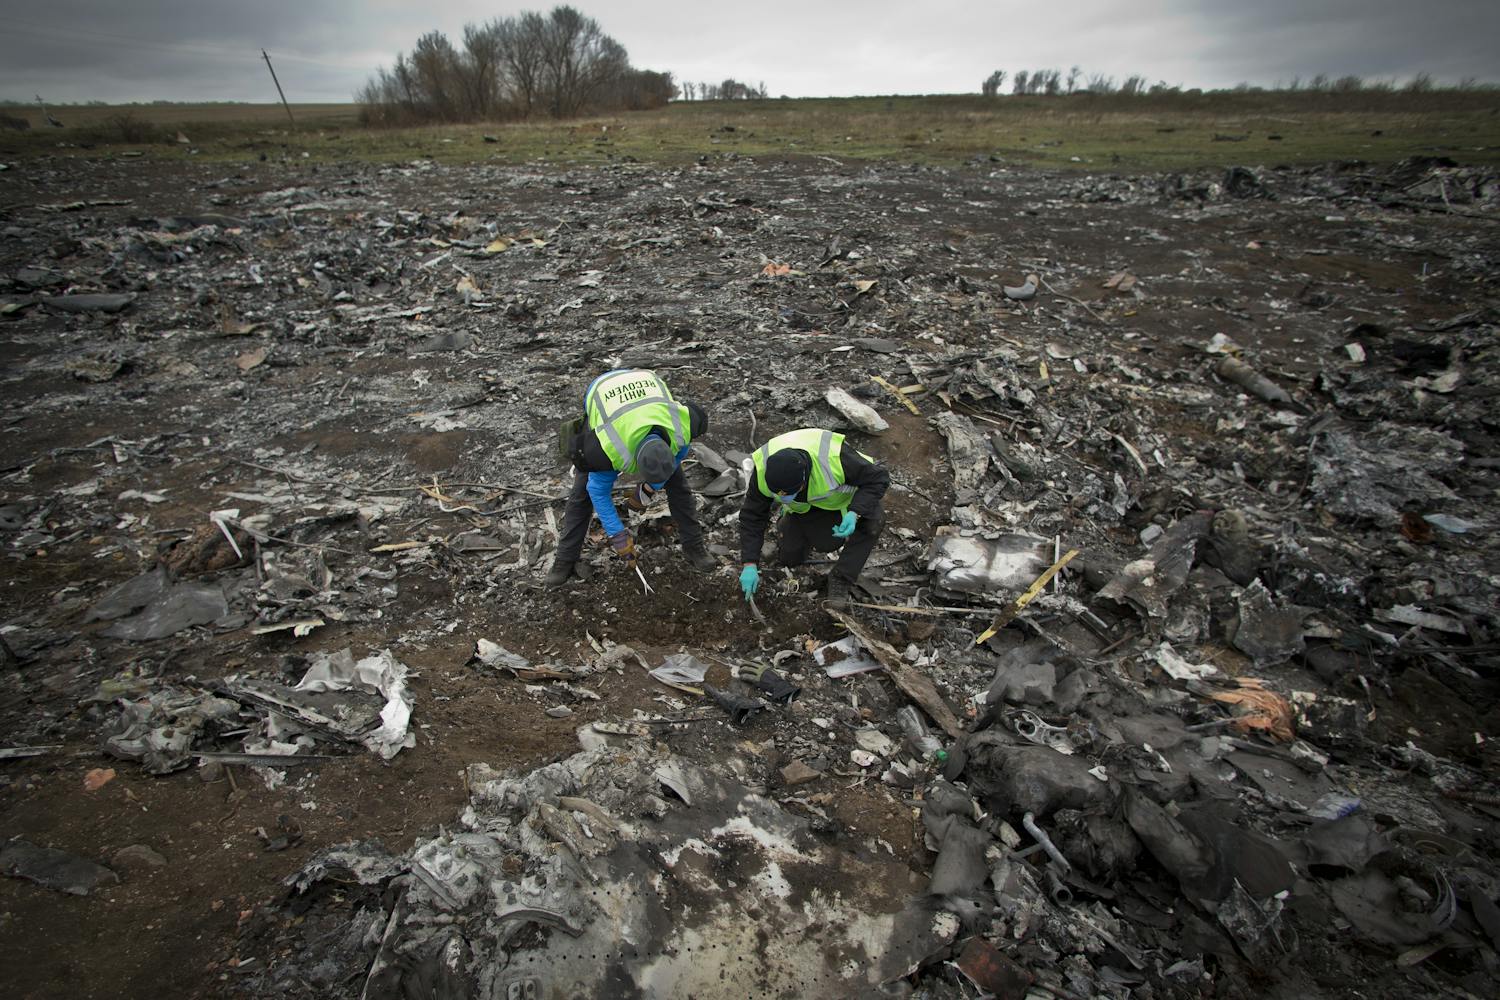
846, 526
749, 580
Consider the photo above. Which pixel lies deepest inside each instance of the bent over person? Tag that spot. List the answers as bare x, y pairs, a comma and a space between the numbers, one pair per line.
829, 495
631, 426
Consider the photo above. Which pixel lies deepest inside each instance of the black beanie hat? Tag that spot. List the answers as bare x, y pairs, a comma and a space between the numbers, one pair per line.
786, 471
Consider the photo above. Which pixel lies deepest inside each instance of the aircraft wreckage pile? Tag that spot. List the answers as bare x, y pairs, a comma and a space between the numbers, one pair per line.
1179, 651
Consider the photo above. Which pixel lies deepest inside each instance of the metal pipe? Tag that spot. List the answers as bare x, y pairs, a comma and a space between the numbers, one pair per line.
1029, 822
1060, 894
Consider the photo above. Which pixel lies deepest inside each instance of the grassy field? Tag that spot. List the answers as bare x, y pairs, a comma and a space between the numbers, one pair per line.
1080, 132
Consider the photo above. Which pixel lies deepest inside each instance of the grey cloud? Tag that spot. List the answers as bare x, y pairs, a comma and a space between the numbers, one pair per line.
325, 49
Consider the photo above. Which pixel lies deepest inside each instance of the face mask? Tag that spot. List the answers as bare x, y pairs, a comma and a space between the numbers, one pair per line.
789, 498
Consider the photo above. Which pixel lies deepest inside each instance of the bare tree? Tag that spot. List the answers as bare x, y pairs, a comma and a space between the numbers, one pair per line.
481, 67
639, 89
1051, 82
579, 60
993, 83
522, 42
404, 79
1133, 86
1101, 84
1073, 79
434, 63
731, 89
1018, 82
1419, 84
561, 61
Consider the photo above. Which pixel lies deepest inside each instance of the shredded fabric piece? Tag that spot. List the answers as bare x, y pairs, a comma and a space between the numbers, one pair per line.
1260, 709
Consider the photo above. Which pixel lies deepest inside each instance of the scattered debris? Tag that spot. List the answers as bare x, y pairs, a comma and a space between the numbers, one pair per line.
97, 778
54, 869
1229, 721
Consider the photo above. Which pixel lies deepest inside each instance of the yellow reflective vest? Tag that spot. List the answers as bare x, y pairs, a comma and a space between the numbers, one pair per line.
623, 406
826, 487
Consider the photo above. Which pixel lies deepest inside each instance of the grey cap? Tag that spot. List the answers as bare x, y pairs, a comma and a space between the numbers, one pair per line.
654, 460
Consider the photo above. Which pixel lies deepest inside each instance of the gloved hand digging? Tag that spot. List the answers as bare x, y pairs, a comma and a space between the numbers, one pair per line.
845, 528
624, 546
750, 580
641, 498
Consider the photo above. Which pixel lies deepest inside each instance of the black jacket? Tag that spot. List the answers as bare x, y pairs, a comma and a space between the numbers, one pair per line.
869, 479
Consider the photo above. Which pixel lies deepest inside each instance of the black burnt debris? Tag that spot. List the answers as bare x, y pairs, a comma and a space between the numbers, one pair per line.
1173, 673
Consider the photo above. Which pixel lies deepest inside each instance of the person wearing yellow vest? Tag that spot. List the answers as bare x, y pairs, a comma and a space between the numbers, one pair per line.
631, 426
829, 495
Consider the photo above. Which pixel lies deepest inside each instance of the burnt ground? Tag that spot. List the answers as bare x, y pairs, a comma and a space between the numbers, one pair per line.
347, 279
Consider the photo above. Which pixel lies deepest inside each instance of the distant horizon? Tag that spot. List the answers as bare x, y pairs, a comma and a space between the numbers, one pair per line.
1368, 86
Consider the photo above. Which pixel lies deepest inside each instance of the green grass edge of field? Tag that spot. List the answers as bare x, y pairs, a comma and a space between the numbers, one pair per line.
1084, 132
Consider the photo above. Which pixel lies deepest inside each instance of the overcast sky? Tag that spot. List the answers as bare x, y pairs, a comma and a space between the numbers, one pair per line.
199, 50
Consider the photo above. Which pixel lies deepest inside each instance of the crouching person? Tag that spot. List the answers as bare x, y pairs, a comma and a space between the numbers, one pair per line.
829, 496
631, 426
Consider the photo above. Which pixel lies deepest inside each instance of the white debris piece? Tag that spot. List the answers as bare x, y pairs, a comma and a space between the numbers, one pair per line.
1220, 343
843, 658
969, 564
875, 741
492, 654
1023, 292
1179, 669
857, 413
381, 672
681, 669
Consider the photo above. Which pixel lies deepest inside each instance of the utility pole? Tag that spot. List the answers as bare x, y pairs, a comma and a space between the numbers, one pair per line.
284, 104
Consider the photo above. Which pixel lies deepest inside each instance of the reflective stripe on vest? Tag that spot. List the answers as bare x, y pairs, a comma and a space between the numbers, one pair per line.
621, 422
826, 488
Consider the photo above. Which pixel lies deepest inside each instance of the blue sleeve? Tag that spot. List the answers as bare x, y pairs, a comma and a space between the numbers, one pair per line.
601, 492
682, 453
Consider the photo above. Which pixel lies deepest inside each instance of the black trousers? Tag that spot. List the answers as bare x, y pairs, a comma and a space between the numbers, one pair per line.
814, 530
580, 508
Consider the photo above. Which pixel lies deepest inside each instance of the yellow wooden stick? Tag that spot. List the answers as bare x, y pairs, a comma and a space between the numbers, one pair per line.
901, 396
1008, 615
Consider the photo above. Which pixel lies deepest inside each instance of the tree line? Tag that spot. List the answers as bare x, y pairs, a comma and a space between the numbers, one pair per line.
1052, 83
730, 90
560, 64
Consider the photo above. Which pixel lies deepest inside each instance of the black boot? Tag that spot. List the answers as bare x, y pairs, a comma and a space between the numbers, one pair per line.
698, 558
838, 591
558, 574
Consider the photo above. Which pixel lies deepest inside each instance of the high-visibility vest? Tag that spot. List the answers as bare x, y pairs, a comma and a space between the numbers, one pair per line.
826, 487
622, 408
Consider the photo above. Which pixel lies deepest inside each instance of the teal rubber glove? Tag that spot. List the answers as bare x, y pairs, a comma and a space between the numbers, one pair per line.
846, 526
750, 580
